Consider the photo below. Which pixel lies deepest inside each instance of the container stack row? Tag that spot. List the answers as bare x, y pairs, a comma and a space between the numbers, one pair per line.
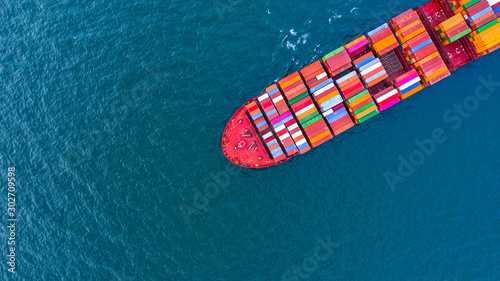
478, 14
285, 119
337, 61
486, 39
350, 85
316, 78
382, 40
357, 47
263, 128
273, 146
277, 98
279, 122
286, 139
362, 107
407, 26
298, 137
387, 98
495, 4
339, 119
268, 106
257, 117
452, 29
314, 74
419, 49
372, 73
329, 100
482, 18
333, 110
408, 84
305, 110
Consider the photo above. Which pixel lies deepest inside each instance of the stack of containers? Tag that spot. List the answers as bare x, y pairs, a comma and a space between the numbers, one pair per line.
307, 114
279, 122
408, 84
452, 29
357, 46
265, 131
337, 61
268, 106
314, 74
277, 98
289, 121
486, 39
387, 98
257, 117
350, 85
407, 26
478, 14
372, 72
286, 139
432, 69
418, 48
495, 4
298, 137
382, 40
363, 60
328, 98
326, 95
362, 107
481, 16
459, 6
339, 119
273, 146
331, 103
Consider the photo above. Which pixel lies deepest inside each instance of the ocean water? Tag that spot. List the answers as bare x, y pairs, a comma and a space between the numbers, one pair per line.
112, 114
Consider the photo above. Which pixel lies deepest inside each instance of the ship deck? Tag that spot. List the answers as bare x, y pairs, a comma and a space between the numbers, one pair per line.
248, 152
456, 54
243, 144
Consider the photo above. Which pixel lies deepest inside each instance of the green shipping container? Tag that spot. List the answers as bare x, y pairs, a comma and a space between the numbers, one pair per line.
334, 53
358, 96
298, 98
368, 116
471, 3
312, 121
363, 108
486, 26
306, 119
458, 36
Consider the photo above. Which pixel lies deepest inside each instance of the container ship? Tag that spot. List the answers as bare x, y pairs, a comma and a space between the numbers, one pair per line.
359, 80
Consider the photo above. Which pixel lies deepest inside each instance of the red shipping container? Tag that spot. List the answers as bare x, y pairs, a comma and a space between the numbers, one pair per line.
388, 100
326, 93
288, 78
422, 53
318, 82
341, 69
358, 106
302, 106
314, 67
476, 8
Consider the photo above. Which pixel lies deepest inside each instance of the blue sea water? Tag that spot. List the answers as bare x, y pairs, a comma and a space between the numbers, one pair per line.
112, 113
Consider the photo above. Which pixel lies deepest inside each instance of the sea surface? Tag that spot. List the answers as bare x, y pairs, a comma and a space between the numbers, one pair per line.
112, 114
